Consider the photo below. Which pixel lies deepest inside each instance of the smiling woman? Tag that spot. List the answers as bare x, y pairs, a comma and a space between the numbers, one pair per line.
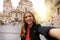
31, 30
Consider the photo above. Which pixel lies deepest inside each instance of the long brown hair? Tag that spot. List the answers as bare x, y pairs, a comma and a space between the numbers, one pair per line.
24, 24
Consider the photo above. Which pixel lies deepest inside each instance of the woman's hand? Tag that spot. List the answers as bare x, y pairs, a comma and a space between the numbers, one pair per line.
55, 32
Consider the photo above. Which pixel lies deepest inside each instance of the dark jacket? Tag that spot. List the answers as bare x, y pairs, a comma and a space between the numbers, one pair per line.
36, 30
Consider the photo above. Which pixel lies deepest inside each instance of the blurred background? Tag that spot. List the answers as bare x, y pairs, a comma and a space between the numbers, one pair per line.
47, 13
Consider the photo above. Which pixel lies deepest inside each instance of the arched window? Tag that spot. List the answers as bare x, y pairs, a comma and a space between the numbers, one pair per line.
58, 9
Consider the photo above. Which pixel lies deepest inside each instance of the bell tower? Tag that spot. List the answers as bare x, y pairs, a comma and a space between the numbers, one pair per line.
25, 5
7, 6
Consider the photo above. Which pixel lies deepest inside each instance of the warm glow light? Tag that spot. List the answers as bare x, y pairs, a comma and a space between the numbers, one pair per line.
39, 7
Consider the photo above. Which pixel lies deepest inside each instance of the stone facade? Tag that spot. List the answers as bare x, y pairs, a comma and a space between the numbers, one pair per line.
24, 5
7, 7
13, 14
54, 7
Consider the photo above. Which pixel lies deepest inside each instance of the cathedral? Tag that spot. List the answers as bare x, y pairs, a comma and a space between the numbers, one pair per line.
9, 13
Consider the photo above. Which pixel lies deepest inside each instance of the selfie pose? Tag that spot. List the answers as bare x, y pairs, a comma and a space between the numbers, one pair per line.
31, 30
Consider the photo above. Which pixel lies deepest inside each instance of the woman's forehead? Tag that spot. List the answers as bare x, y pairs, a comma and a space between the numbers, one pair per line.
27, 14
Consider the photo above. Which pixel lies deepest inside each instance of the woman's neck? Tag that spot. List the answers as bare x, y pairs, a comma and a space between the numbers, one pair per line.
30, 25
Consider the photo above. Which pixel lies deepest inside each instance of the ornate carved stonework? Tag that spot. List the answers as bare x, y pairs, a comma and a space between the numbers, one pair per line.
24, 5
7, 6
13, 14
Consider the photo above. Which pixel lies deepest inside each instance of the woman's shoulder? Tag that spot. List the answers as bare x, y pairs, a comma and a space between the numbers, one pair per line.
39, 25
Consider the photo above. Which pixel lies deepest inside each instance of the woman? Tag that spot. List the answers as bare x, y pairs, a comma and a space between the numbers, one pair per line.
31, 30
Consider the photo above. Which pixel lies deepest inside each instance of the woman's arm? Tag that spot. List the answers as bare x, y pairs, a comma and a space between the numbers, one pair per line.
49, 32
55, 32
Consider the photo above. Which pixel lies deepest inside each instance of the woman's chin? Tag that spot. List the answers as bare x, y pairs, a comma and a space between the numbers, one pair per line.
29, 23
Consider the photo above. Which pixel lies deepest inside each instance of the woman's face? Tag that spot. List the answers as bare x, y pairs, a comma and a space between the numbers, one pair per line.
29, 18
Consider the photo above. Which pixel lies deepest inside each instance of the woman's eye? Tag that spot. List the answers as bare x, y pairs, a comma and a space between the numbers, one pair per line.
29, 16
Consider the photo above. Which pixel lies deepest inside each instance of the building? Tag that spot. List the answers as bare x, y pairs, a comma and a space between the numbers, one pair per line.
24, 5
9, 13
7, 7
53, 6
